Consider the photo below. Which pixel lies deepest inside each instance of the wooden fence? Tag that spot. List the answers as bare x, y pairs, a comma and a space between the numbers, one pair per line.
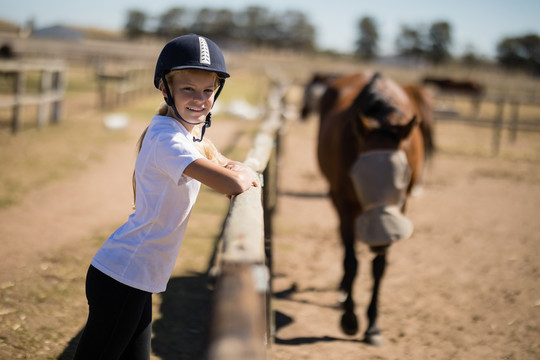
119, 83
498, 123
242, 319
48, 96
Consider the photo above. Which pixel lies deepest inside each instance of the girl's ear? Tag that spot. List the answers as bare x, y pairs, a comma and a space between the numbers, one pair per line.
162, 87
164, 92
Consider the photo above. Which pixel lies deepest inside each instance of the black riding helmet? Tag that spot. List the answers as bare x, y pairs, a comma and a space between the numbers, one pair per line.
190, 52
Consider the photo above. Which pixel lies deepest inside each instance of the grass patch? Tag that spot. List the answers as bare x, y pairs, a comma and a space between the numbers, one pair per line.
463, 139
247, 85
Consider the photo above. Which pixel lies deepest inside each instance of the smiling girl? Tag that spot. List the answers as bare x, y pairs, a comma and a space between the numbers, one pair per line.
174, 159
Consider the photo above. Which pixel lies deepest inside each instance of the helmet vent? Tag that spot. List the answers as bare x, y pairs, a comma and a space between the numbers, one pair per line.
205, 52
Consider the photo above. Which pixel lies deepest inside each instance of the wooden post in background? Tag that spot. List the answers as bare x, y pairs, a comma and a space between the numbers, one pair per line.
497, 128
18, 93
514, 121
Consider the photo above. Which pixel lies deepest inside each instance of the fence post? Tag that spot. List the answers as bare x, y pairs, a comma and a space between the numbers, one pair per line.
48, 91
120, 85
58, 86
497, 128
514, 120
45, 87
18, 91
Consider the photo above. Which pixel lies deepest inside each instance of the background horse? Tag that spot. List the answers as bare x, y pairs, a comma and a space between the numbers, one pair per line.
452, 87
371, 151
448, 85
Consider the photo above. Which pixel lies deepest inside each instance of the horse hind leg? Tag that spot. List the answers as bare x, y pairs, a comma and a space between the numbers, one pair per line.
372, 335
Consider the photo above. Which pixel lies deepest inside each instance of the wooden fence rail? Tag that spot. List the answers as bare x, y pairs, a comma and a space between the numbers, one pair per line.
49, 95
117, 84
513, 124
242, 319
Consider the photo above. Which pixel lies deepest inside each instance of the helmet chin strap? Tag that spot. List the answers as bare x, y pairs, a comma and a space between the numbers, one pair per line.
170, 101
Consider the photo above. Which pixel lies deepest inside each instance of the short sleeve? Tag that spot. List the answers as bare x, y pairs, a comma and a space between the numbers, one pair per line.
174, 152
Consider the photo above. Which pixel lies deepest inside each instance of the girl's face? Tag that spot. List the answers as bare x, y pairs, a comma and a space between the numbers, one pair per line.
193, 92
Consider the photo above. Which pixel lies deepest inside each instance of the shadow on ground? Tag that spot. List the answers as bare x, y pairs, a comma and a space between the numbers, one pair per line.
283, 320
181, 332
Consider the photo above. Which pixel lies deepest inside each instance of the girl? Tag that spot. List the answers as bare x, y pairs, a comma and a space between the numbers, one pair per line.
138, 258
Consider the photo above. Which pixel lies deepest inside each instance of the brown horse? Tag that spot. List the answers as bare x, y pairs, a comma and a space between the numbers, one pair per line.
371, 151
452, 86
319, 82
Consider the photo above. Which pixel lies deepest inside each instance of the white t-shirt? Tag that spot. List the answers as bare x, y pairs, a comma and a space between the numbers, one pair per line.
143, 251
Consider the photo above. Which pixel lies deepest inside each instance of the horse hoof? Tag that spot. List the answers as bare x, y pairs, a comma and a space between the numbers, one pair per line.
349, 324
373, 339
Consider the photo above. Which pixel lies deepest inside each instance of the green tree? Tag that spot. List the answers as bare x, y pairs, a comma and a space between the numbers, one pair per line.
439, 41
411, 41
204, 22
295, 31
224, 26
171, 23
520, 53
253, 26
135, 24
254, 23
368, 39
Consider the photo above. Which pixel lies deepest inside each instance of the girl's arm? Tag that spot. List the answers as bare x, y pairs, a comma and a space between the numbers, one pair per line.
231, 179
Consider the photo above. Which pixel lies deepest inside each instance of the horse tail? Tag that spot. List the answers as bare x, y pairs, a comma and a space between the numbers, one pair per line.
423, 105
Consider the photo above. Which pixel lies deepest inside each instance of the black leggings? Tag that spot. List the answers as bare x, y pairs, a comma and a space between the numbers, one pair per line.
119, 323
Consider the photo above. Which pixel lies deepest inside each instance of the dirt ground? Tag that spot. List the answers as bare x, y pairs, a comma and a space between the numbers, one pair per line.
465, 286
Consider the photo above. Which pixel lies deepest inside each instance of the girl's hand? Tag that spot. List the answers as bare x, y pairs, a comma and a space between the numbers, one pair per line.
234, 165
242, 168
231, 179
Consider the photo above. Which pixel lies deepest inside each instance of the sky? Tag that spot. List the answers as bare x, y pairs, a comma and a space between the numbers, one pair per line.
476, 24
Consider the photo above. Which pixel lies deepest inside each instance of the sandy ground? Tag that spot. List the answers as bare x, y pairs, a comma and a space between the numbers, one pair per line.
465, 286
